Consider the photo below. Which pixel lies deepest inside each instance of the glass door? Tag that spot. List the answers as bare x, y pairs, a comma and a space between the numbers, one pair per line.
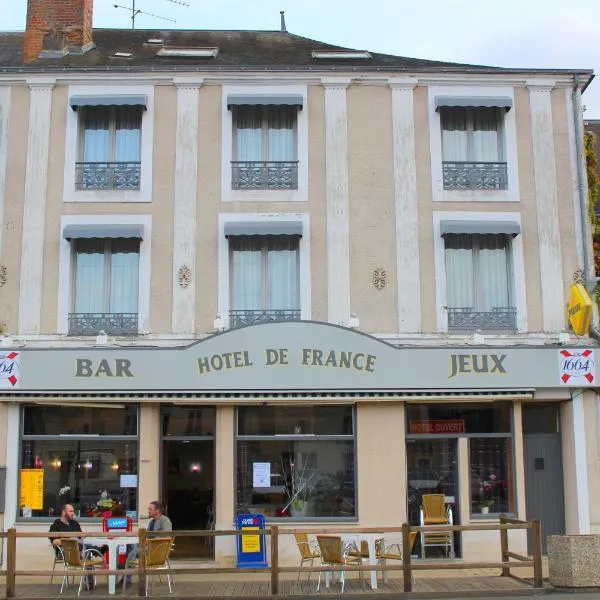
188, 476
432, 468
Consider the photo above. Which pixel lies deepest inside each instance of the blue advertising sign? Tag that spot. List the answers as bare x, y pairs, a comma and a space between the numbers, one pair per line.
116, 523
251, 546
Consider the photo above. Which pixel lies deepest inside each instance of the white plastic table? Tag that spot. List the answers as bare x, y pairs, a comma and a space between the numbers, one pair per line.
357, 538
113, 550
370, 538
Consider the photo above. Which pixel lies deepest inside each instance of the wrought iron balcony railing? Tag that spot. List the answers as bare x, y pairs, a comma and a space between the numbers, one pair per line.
110, 323
469, 319
259, 175
108, 175
239, 318
475, 175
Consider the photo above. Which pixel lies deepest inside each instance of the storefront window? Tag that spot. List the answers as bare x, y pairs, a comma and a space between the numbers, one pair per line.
78, 455
296, 462
490, 468
491, 475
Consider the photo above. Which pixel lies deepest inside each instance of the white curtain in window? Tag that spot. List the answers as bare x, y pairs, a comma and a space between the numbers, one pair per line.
128, 122
264, 273
89, 276
96, 134
282, 273
281, 142
101, 263
470, 134
460, 291
485, 134
477, 271
248, 133
492, 272
246, 273
124, 269
454, 134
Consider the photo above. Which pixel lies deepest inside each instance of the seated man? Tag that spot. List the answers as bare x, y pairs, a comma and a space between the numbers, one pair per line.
67, 524
158, 522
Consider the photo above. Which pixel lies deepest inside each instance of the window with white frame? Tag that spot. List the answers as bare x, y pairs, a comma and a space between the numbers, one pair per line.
109, 148
264, 278
265, 147
105, 279
479, 282
473, 148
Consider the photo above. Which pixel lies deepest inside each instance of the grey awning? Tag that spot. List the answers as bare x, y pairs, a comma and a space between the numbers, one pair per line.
265, 228
483, 227
263, 99
112, 100
478, 101
73, 232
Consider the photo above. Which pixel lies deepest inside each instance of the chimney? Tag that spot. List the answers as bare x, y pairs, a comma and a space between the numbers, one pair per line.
57, 27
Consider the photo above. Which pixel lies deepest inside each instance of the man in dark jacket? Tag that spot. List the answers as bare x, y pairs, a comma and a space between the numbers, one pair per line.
66, 523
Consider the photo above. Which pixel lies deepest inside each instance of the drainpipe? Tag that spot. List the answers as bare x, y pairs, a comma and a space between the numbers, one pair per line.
590, 282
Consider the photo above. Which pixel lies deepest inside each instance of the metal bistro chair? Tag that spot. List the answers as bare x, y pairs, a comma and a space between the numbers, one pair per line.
157, 559
334, 553
392, 551
308, 552
435, 512
92, 560
58, 559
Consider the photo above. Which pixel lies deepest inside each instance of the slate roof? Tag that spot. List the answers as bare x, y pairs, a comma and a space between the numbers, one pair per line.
238, 50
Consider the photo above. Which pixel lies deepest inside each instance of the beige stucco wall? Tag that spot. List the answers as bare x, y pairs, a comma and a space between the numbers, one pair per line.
371, 206
527, 206
54, 206
207, 204
565, 183
316, 201
568, 456
381, 464
425, 208
593, 457
161, 208
13, 204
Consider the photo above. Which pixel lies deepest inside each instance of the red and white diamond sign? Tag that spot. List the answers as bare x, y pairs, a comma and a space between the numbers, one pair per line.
9, 369
577, 367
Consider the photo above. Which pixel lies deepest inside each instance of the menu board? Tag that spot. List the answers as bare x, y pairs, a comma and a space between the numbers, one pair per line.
32, 488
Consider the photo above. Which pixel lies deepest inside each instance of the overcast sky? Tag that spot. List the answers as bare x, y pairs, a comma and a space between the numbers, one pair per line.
507, 33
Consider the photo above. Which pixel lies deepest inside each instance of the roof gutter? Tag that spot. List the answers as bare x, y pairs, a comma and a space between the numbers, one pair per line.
590, 279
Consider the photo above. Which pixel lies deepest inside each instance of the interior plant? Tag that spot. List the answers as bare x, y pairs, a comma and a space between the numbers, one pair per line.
298, 486
485, 505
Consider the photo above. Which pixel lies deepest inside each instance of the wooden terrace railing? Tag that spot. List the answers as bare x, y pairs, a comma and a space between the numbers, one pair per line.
505, 524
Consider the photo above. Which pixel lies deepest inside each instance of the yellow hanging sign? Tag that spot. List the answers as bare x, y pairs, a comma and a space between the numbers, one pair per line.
579, 309
32, 488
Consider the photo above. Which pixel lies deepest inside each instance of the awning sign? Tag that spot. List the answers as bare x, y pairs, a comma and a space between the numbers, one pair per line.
9, 369
576, 367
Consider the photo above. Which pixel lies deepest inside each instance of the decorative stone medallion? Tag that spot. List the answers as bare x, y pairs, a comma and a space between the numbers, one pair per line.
379, 278
579, 277
184, 276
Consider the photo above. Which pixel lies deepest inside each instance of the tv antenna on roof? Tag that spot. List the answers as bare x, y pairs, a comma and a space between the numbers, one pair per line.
136, 11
